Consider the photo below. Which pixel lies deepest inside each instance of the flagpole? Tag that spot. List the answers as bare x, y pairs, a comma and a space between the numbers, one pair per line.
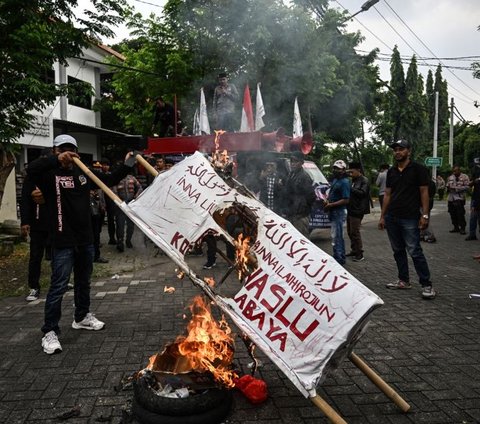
98, 181
176, 114
331, 414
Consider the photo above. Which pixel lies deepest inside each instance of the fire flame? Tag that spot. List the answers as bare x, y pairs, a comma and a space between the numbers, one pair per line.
242, 255
218, 133
208, 344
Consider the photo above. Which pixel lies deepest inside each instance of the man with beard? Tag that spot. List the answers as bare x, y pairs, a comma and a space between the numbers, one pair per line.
336, 206
406, 194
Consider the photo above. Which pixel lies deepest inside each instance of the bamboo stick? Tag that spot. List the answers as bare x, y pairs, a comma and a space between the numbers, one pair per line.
97, 181
330, 413
379, 382
146, 165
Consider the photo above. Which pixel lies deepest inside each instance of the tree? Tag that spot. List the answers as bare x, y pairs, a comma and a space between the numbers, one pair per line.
415, 114
283, 47
34, 34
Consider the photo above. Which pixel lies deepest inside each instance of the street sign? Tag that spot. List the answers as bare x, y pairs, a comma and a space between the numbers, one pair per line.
433, 161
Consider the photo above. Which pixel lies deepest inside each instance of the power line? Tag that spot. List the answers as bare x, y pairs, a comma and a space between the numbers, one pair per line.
150, 4
367, 29
459, 58
404, 23
405, 60
425, 63
429, 65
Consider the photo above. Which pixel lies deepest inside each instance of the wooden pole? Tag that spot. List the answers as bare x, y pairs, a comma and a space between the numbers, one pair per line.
146, 165
97, 181
379, 382
331, 414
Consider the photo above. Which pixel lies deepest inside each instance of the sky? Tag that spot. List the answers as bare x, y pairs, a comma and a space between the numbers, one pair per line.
441, 29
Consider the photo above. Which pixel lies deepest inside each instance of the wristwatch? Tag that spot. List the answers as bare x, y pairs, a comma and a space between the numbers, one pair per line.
425, 216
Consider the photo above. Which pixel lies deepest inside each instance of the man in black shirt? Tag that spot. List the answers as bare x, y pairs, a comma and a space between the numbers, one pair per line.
66, 190
404, 214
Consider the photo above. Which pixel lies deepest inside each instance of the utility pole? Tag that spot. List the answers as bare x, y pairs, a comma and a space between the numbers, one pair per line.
450, 140
435, 136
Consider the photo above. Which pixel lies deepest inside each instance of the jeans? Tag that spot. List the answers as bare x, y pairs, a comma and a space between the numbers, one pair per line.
337, 218
404, 236
80, 260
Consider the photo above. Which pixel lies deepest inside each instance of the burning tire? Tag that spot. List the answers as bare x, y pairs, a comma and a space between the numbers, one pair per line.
198, 403
214, 415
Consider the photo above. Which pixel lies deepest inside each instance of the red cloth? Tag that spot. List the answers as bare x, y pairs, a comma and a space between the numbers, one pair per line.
254, 389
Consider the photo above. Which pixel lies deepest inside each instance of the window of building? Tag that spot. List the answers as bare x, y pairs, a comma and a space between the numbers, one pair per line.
79, 93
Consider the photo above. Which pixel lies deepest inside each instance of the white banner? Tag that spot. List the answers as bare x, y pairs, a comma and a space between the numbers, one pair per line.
299, 306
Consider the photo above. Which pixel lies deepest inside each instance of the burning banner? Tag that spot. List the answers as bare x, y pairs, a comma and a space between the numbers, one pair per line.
297, 304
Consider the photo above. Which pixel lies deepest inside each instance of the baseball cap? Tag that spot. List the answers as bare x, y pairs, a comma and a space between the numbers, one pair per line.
64, 139
401, 143
340, 164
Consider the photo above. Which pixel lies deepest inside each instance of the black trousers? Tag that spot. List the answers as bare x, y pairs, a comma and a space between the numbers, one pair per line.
38, 245
97, 229
456, 209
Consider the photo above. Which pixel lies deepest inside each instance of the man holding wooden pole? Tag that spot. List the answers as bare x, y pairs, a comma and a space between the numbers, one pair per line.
66, 189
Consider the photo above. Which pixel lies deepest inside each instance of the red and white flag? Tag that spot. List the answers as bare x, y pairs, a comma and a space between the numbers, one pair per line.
247, 124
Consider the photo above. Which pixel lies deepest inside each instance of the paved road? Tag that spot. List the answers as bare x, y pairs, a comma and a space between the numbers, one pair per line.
429, 351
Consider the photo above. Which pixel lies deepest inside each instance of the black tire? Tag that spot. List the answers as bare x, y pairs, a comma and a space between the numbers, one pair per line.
191, 405
212, 416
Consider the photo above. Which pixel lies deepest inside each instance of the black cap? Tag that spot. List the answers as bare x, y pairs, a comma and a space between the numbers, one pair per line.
355, 165
401, 143
298, 156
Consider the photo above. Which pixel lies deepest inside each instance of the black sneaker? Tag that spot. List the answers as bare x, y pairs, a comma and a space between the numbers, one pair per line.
428, 292
120, 247
470, 237
358, 258
101, 260
209, 265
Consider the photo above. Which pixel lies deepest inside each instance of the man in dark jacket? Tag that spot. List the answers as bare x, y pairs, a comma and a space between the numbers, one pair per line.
358, 206
66, 190
299, 194
34, 224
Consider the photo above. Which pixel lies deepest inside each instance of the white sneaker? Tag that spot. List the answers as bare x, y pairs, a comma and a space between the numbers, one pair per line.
33, 295
88, 323
50, 343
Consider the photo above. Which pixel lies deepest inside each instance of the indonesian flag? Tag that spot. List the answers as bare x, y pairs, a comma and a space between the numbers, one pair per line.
260, 112
247, 124
297, 121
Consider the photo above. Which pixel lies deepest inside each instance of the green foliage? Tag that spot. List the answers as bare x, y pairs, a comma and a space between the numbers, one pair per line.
34, 34
283, 47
